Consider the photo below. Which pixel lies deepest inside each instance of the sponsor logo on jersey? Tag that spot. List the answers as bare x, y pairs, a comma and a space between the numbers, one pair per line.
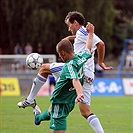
71, 89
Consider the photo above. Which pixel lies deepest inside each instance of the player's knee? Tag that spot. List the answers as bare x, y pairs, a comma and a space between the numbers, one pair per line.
85, 113
45, 70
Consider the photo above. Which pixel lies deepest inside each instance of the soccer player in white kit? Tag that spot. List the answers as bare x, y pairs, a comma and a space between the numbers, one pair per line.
75, 22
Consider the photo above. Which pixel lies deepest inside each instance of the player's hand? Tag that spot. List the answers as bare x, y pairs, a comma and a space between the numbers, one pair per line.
79, 98
66, 38
72, 37
90, 27
104, 67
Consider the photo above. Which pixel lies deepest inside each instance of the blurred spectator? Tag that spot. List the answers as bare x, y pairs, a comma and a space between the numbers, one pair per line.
129, 56
18, 49
18, 63
39, 48
28, 48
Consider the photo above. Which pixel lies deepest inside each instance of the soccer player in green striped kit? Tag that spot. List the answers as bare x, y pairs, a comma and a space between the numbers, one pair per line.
68, 88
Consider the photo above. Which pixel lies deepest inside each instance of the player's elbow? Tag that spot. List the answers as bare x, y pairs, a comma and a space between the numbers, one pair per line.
100, 44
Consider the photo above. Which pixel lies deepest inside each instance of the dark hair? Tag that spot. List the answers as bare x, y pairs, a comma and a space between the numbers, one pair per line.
64, 45
75, 15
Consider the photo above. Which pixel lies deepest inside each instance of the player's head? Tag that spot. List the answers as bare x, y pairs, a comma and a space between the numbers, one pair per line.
74, 21
65, 50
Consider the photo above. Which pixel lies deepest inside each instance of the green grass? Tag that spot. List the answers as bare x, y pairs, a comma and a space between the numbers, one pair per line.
115, 114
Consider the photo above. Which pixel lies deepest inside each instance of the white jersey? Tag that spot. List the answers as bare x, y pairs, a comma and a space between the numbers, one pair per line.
80, 43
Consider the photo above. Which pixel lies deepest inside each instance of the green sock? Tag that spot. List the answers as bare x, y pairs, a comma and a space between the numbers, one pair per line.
43, 116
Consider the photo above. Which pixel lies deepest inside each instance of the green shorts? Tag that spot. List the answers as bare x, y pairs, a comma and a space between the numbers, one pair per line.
59, 112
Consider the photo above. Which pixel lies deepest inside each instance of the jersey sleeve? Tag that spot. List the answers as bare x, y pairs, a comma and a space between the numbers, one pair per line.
84, 55
81, 39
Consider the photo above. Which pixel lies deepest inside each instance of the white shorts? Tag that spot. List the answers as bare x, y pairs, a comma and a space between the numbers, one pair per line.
87, 86
56, 68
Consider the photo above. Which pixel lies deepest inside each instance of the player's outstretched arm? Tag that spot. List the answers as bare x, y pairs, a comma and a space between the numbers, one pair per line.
72, 37
90, 30
101, 53
78, 87
100, 46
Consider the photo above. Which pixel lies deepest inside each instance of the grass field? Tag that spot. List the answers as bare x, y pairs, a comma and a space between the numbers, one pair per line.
115, 114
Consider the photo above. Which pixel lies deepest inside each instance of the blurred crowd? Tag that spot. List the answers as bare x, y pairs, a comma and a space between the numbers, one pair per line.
129, 56
18, 49
19, 64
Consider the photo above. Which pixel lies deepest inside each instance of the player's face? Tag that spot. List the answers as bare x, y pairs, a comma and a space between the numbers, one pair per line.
71, 27
62, 55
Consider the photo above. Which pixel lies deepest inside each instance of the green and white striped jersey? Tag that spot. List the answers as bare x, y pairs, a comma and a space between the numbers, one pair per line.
64, 92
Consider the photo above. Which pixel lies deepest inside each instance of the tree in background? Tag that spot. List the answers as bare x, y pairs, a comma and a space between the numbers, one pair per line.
101, 13
40, 21
123, 24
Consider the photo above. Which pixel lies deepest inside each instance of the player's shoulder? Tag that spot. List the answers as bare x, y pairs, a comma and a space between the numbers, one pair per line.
82, 31
72, 62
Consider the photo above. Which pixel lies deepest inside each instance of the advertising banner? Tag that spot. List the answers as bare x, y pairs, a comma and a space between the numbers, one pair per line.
46, 89
128, 86
9, 87
101, 87
107, 87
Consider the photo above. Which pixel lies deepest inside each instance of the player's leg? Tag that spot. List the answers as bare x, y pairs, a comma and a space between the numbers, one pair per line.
45, 70
44, 116
58, 115
85, 105
91, 118
38, 82
36, 111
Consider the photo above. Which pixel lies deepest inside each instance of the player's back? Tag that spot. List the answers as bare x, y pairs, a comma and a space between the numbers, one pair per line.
73, 68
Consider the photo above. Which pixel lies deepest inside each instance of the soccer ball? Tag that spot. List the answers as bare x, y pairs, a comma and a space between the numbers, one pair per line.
34, 61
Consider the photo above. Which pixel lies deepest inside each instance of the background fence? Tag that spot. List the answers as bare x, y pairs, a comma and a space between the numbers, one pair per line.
16, 78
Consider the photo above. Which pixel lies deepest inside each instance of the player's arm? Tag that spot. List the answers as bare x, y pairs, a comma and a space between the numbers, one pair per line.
72, 37
100, 47
101, 54
90, 30
78, 87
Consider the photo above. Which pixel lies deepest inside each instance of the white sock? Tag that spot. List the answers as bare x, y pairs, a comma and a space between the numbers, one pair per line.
37, 84
95, 123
